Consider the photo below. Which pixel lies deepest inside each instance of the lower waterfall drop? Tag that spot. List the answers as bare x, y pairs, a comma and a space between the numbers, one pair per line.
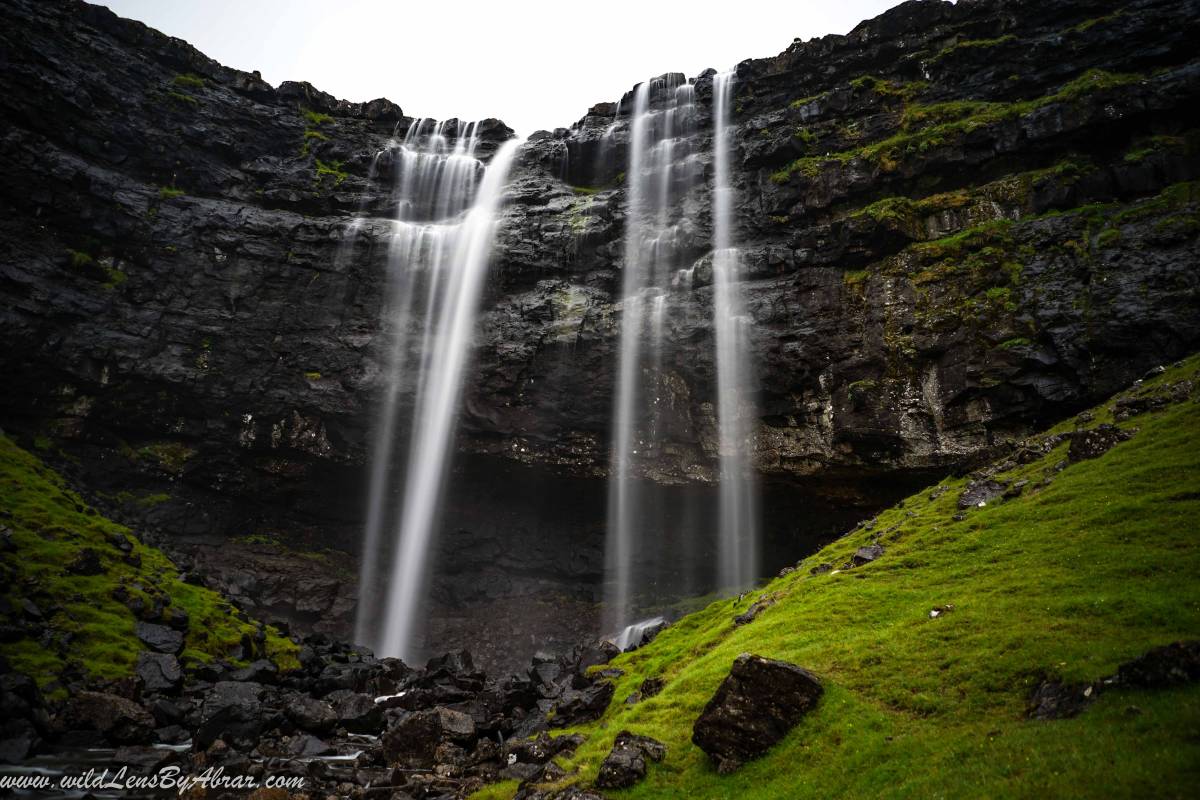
662, 170
738, 537
663, 238
447, 204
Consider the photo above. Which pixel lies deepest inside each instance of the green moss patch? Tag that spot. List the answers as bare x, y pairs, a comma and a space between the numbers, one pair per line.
926, 127
87, 623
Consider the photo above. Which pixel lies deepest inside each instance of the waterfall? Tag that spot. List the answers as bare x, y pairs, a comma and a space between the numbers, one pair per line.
660, 172
446, 208
738, 514
660, 215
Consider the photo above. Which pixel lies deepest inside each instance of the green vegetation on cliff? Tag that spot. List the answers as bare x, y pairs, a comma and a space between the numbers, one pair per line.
1092, 563
924, 127
75, 577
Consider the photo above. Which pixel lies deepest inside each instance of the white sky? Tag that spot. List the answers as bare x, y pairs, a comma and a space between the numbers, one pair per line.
537, 64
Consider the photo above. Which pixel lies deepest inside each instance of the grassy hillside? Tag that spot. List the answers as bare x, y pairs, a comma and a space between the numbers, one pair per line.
1090, 566
82, 573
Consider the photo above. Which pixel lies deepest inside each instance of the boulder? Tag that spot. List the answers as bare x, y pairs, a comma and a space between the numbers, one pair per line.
311, 714
1056, 700
1175, 664
1095, 442
158, 672
118, 720
261, 671
753, 708
87, 562
652, 686
539, 749
625, 764
307, 746
979, 493
356, 712
756, 608
232, 711
576, 706
18, 740
160, 638
865, 555
412, 742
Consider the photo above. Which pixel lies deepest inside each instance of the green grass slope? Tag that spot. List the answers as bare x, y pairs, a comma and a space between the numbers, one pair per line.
1091, 566
85, 629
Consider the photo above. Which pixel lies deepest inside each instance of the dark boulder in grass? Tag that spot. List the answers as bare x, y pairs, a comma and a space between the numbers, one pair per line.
625, 764
1174, 664
753, 708
1095, 442
980, 493
576, 706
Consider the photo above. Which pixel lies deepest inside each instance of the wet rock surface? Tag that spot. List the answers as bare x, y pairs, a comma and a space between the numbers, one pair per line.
754, 707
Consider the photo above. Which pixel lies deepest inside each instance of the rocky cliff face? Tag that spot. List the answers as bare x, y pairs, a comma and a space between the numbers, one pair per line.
959, 221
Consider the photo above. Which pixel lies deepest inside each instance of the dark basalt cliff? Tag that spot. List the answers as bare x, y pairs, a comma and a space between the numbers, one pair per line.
959, 221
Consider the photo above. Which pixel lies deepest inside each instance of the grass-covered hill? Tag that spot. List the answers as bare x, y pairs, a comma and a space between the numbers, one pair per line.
1086, 564
75, 585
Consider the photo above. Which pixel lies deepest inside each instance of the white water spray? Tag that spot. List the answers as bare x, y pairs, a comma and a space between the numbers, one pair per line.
738, 535
660, 172
437, 259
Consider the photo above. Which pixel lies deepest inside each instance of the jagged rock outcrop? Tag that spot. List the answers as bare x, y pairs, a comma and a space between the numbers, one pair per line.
958, 221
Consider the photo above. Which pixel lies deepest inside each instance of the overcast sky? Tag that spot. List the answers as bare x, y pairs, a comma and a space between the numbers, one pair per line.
537, 64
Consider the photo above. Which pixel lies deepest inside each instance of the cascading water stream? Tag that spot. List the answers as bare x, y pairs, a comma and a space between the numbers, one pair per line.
738, 535
437, 263
660, 172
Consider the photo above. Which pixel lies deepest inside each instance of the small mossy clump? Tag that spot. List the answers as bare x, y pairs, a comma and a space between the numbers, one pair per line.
971, 46
188, 80
1085, 568
114, 277
926, 127
101, 270
170, 456
169, 192
886, 88
312, 136
183, 98
331, 169
1147, 146
1088, 24
86, 622
801, 102
80, 259
316, 117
